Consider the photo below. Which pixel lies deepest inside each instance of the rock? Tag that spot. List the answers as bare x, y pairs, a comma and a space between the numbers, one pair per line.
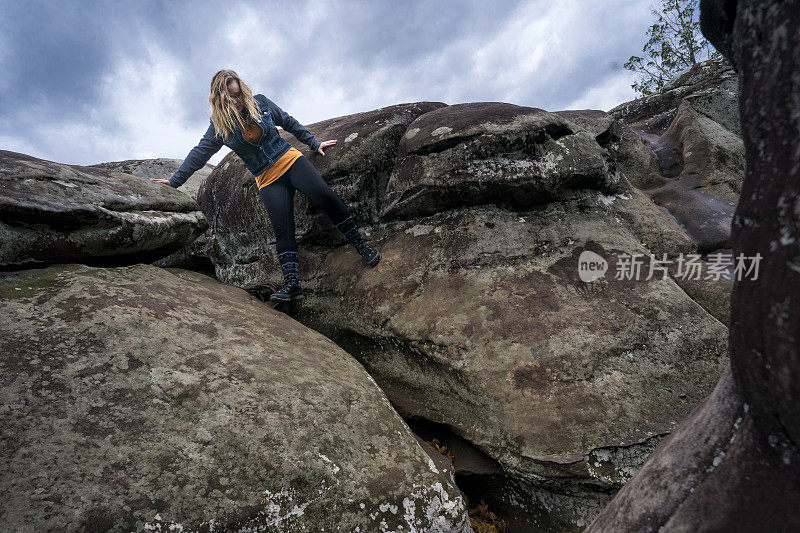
476, 319
703, 195
713, 293
242, 238
689, 482
55, 213
193, 256
712, 83
734, 464
627, 152
693, 129
139, 398
358, 166
491, 152
688, 160
162, 168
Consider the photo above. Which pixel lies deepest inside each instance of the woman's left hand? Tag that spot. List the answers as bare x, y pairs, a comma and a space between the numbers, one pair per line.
325, 144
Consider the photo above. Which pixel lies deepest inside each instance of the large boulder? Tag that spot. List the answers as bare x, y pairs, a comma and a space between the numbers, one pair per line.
626, 151
56, 213
692, 480
476, 320
193, 256
734, 464
703, 184
358, 167
140, 398
491, 152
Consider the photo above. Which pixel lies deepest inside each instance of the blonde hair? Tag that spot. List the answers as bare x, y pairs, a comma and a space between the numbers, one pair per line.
224, 114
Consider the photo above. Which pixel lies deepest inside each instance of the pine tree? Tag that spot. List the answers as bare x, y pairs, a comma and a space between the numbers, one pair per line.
675, 44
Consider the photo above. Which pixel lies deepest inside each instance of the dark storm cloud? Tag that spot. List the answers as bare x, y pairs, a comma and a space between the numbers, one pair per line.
52, 53
86, 82
56, 51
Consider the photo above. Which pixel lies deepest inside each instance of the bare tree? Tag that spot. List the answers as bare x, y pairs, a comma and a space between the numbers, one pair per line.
675, 44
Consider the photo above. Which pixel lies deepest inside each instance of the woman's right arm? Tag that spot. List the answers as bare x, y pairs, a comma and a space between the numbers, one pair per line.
197, 158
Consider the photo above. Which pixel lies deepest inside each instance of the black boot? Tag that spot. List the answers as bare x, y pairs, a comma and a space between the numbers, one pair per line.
349, 228
290, 290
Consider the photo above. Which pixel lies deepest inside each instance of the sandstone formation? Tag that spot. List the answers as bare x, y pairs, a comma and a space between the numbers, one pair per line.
694, 131
712, 87
140, 398
192, 256
734, 464
476, 321
55, 213
161, 168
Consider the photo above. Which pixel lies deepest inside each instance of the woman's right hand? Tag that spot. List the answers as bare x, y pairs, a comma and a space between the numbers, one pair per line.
160, 180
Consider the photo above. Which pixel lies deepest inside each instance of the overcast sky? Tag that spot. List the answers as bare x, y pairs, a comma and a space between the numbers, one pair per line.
86, 82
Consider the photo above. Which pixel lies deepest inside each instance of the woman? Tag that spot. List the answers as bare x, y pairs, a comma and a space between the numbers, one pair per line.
246, 124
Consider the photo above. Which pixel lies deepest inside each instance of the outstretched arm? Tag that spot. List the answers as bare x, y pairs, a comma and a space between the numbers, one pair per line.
197, 158
288, 122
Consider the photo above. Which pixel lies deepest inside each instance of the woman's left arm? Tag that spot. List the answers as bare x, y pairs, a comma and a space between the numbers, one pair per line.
288, 122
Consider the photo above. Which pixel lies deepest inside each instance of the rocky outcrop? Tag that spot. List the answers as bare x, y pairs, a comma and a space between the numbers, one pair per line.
140, 398
682, 149
693, 129
472, 154
688, 482
192, 256
478, 324
55, 213
711, 86
476, 320
161, 168
734, 464
364, 159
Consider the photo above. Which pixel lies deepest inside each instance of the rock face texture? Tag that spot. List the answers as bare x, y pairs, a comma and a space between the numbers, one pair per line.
51, 213
140, 398
476, 319
711, 86
472, 154
192, 256
694, 130
364, 159
734, 464
161, 168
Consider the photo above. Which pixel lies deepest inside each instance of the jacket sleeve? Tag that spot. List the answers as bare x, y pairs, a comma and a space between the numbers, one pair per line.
288, 122
199, 156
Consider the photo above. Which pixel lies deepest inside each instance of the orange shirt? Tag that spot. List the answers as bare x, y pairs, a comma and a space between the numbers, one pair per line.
278, 168
253, 132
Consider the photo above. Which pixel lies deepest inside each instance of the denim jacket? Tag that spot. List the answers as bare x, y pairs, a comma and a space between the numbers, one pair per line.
256, 157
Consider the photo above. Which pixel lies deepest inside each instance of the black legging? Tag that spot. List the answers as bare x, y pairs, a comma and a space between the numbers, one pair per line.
278, 198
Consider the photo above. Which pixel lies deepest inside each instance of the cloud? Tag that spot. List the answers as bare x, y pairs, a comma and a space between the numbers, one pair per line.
90, 82
610, 93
